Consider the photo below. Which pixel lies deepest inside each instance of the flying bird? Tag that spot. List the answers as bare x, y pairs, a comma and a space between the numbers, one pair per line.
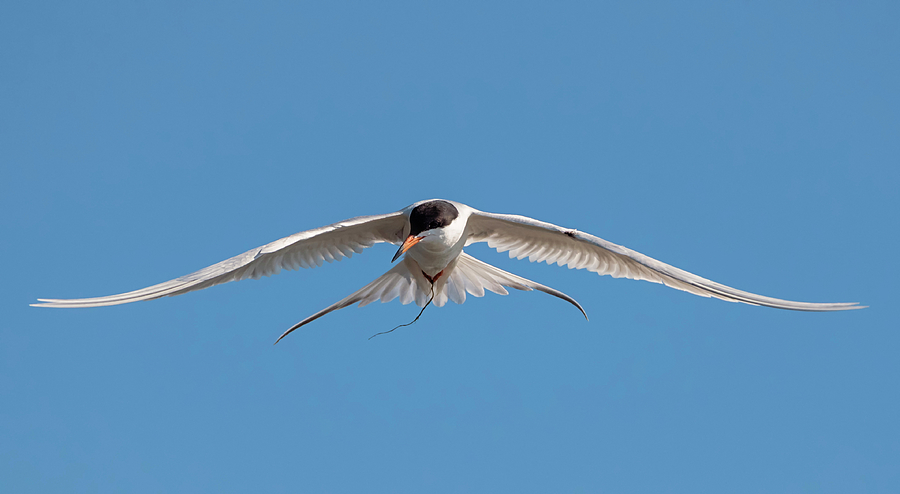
431, 236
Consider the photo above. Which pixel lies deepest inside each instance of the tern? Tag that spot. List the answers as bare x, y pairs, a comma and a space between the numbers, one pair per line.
431, 236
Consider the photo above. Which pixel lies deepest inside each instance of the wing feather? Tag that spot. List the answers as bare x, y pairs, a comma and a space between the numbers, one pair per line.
302, 250
545, 242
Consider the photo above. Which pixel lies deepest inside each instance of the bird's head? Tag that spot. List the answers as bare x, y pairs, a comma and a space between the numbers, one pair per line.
427, 221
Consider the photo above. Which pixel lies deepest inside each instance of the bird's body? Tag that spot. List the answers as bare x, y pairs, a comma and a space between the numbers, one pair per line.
432, 235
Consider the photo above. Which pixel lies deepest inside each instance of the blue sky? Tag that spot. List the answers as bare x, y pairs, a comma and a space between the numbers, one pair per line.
753, 144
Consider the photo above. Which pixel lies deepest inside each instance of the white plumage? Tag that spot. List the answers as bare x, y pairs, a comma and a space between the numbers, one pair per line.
432, 234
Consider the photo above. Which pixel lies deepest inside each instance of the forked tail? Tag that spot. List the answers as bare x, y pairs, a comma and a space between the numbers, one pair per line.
465, 275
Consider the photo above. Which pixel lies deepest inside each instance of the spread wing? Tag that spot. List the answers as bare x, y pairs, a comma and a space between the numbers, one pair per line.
301, 250
544, 242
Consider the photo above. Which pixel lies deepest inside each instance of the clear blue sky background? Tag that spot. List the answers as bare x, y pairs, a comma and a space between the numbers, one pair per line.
756, 144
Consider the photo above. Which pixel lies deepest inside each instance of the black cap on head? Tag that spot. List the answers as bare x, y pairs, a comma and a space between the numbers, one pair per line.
430, 215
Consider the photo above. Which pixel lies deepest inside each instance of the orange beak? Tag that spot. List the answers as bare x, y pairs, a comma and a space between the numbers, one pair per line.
409, 242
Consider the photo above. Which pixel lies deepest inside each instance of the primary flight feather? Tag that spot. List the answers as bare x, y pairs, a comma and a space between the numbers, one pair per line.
431, 235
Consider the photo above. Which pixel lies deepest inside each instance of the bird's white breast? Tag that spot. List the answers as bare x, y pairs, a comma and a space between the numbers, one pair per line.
440, 247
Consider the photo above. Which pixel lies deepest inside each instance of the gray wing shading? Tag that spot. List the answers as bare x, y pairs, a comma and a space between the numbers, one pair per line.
544, 242
306, 249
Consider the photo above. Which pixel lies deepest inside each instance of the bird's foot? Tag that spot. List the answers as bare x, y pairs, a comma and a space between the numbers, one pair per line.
434, 278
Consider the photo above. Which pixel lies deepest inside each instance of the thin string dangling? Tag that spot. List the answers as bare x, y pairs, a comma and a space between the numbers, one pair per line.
414, 320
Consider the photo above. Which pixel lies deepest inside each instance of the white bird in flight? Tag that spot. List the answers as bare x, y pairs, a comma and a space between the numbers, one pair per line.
432, 234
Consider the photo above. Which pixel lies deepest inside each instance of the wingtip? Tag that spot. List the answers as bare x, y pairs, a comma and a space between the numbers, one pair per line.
845, 306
